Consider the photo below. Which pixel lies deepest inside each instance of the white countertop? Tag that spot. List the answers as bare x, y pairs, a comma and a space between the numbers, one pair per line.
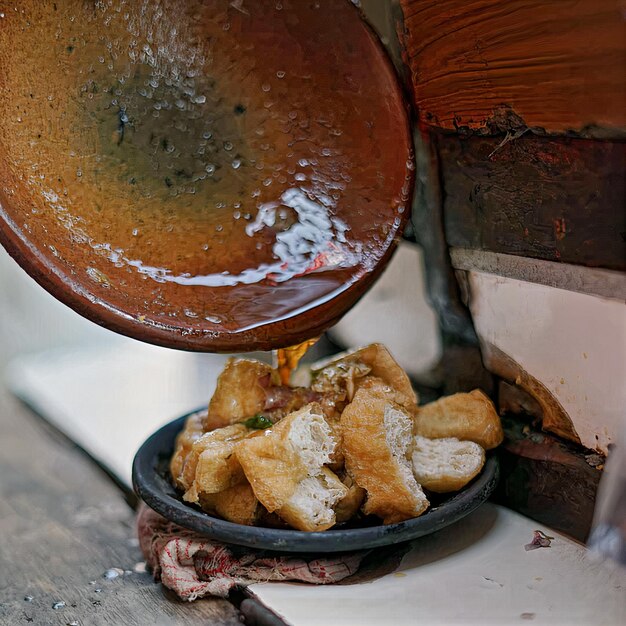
474, 572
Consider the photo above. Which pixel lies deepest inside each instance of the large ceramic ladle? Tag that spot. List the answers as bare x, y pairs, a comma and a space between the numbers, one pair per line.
206, 175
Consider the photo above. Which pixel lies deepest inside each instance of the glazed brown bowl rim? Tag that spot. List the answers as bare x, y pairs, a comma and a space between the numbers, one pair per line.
279, 333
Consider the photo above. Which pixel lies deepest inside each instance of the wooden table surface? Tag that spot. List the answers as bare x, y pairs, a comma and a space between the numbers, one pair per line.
63, 524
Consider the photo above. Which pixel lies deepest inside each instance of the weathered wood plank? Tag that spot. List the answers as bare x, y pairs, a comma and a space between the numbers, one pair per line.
63, 524
547, 479
558, 199
488, 65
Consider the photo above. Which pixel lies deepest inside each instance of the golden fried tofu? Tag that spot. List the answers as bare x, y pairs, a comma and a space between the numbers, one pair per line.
445, 465
191, 432
212, 465
311, 507
377, 436
350, 504
378, 385
286, 469
466, 416
346, 370
237, 504
240, 392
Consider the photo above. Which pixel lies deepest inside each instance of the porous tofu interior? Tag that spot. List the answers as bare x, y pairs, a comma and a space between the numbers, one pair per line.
315, 498
435, 457
398, 432
311, 436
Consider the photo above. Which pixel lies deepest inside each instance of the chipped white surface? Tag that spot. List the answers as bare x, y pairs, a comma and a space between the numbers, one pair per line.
574, 343
474, 572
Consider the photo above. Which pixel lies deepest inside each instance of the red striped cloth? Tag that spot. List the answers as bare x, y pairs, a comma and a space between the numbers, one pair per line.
193, 566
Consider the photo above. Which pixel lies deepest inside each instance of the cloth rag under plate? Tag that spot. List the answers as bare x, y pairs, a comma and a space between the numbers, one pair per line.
193, 566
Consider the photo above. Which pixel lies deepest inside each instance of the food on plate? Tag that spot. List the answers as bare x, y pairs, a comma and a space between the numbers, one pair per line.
194, 429
444, 465
286, 469
377, 436
468, 416
247, 388
349, 505
351, 444
212, 466
236, 504
343, 373
239, 393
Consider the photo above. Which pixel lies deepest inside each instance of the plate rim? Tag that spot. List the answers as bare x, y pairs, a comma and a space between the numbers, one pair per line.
145, 484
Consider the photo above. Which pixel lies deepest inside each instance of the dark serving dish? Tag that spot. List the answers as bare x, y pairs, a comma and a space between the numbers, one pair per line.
151, 481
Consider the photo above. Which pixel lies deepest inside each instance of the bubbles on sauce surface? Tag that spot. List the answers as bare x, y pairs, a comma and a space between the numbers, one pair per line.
198, 155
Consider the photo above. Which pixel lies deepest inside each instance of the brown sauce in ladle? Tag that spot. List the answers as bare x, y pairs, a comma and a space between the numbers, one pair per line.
197, 174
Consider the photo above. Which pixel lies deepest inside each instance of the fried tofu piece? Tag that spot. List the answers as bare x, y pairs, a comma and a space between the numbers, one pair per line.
212, 465
276, 462
336, 461
350, 504
466, 416
345, 371
192, 431
246, 388
237, 504
240, 393
286, 469
444, 465
338, 381
377, 437
378, 385
311, 506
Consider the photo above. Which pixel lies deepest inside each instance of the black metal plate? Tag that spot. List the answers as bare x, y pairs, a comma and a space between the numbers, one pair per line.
152, 483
